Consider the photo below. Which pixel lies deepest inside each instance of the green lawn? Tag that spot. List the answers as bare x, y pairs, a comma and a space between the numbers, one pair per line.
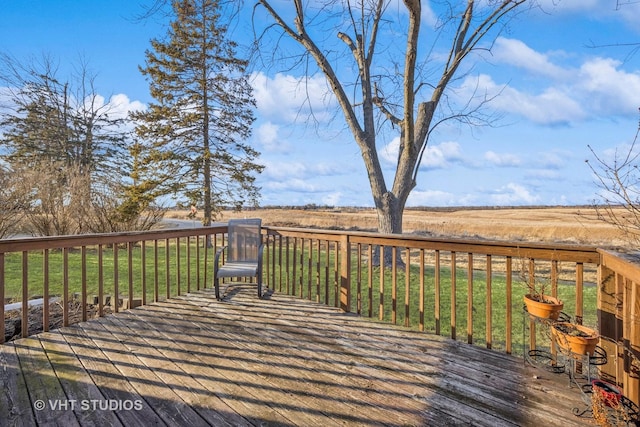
188, 277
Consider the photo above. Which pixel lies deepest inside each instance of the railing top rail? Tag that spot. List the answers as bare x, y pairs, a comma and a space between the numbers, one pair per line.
36, 243
626, 264
555, 251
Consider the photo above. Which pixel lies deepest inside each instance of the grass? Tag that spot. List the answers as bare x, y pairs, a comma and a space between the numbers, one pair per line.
115, 276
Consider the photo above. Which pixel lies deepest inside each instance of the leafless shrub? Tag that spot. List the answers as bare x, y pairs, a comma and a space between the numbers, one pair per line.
54, 198
619, 182
12, 203
113, 210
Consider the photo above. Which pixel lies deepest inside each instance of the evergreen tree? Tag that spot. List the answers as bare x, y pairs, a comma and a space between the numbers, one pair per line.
194, 132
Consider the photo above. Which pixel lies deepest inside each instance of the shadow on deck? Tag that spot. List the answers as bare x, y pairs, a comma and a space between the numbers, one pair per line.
279, 361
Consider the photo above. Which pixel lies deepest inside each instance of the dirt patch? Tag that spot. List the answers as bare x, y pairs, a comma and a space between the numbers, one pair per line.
13, 318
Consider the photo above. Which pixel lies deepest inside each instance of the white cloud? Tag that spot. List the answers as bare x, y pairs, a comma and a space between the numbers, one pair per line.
551, 106
332, 199
606, 88
442, 155
625, 10
431, 198
570, 6
267, 134
517, 53
504, 159
630, 12
552, 159
389, 152
120, 105
283, 170
285, 98
546, 174
596, 87
513, 194
428, 16
327, 169
435, 157
294, 184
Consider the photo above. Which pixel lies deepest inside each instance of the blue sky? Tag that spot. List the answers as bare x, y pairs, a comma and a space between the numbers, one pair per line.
558, 95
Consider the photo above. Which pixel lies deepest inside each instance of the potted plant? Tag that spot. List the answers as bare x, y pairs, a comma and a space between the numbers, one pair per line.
536, 301
543, 306
576, 339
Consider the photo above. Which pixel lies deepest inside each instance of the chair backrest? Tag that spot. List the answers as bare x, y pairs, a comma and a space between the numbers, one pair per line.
244, 240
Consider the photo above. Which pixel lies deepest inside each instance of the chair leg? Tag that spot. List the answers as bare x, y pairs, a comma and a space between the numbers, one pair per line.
216, 286
259, 285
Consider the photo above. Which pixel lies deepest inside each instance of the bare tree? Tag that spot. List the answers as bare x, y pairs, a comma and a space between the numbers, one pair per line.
618, 179
62, 141
394, 78
13, 204
53, 190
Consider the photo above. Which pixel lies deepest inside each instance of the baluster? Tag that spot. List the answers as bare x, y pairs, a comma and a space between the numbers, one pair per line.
453, 295
470, 298
489, 311
436, 310
407, 287
422, 295
394, 286
45, 293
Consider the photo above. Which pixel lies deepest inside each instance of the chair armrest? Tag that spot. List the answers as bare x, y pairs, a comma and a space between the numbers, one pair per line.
260, 251
217, 258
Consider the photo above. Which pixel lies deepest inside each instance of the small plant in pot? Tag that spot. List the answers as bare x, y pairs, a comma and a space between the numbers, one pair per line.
537, 302
543, 306
576, 339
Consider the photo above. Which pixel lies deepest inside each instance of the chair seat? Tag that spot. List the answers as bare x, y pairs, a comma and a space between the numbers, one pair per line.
238, 269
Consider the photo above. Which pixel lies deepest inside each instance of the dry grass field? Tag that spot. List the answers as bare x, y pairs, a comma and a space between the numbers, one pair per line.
571, 225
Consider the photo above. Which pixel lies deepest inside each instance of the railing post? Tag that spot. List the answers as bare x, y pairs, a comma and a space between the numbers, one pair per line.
631, 338
610, 321
345, 274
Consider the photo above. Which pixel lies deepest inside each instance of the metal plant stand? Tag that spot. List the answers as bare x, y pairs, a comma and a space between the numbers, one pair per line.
581, 370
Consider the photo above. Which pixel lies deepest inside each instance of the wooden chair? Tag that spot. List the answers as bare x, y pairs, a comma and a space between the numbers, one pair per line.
244, 253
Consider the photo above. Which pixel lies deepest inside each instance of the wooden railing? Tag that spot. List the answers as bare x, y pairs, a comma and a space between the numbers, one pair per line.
469, 290
462, 288
111, 271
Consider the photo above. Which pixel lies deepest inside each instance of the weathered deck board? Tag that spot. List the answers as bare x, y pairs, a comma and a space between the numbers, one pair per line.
278, 361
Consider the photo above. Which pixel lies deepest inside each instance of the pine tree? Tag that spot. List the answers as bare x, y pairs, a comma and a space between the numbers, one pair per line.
194, 132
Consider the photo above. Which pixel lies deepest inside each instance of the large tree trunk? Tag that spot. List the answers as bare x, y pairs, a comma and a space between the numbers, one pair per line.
389, 209
389, 212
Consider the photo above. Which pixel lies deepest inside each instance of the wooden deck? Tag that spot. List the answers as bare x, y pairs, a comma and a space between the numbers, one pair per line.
194, 361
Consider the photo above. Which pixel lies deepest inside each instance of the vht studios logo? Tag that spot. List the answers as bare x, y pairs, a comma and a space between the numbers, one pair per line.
88, 405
